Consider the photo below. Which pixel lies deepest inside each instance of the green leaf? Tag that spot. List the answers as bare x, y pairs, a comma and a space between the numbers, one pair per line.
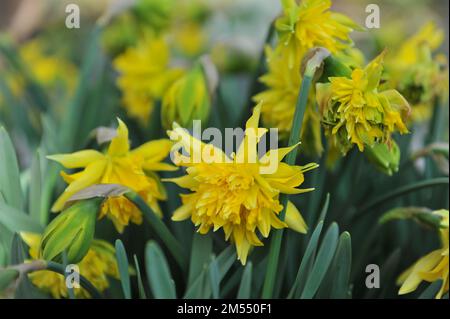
158, 273
3, 254
34, 200
322, 262
7, 276
341, 267
246, 282
214, 277
9, 172
201, 287
226, 259
141, 288
198, 289
17, 221
18, 255
323, 212
431, 291
306, 263
336, 285
6, 238
122, 263
200, 255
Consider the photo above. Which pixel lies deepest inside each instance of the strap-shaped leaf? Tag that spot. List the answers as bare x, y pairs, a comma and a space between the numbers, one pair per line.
246, 282
158, 273
122, 263
9, 172
341, 267
141, 287
431, 291
34, 198
306, 263
200, 255
17, 221
322, 262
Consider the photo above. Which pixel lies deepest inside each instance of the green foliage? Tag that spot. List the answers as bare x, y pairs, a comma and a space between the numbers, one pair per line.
122, 263
158, 272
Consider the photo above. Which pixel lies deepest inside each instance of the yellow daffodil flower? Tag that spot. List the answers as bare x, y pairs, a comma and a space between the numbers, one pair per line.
99, 264
53, 72
309, 24
431, 267
119, 165
233, 192
417, 74
189, 39
355, 112
279, 101
144, 76
49, 70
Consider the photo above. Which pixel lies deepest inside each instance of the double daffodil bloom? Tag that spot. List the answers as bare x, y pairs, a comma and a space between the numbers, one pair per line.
309, 24
119, 165
354, 111
417, 73
431, 267
145, 75
234, 192
99, 264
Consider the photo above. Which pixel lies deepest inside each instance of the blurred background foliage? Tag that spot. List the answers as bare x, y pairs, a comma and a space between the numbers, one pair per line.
57, 85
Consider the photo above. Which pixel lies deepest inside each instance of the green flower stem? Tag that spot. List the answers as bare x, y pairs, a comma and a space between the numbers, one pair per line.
275, 245
161, 230
86, 284
401, 191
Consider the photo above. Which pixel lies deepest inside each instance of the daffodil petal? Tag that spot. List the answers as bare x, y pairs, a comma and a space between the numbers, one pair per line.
182, 213
426, 263
153, 151
119, 144
91, 175
78, 159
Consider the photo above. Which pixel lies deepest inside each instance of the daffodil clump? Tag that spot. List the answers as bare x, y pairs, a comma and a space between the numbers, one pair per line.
418, 73
233, 193
431, 267
144, 76
302, 27
97, 266
355, 111
134, 169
